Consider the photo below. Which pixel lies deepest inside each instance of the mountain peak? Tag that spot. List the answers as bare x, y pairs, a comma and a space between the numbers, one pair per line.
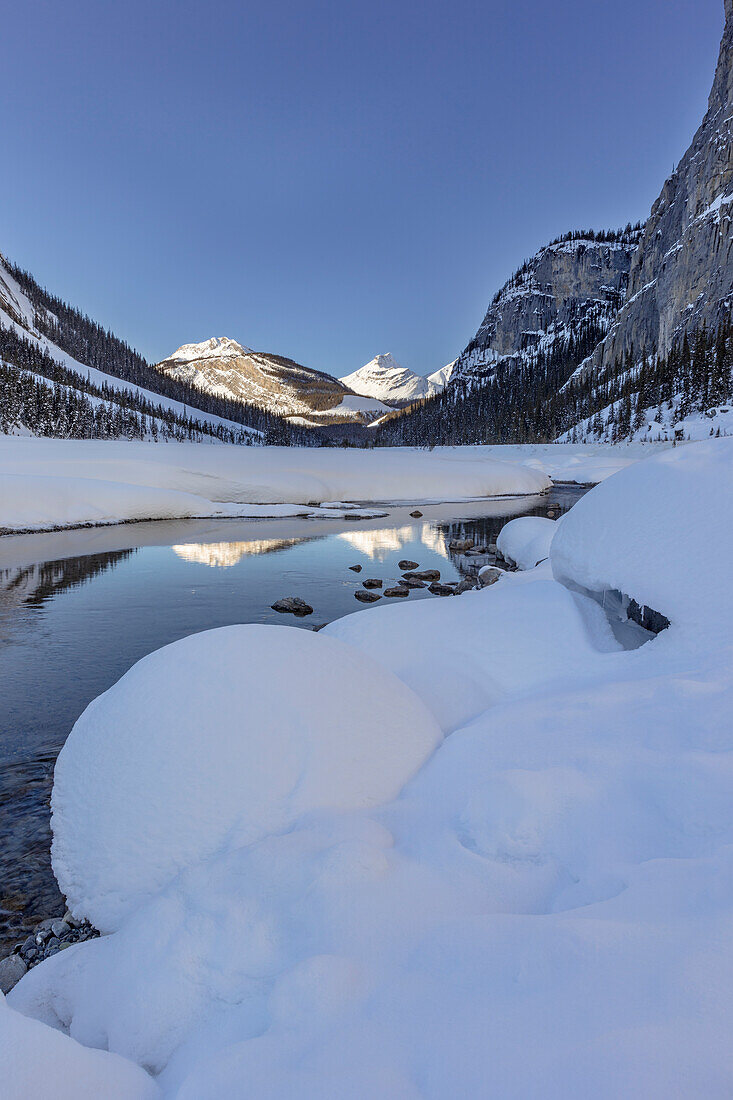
217, 347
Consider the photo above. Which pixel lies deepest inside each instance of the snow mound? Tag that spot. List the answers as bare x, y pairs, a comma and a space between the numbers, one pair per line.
525, 541
215, 741
32, 1054
660, 531
467, 653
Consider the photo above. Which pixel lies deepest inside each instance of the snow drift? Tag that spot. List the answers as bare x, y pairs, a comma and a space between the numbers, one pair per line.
192, 752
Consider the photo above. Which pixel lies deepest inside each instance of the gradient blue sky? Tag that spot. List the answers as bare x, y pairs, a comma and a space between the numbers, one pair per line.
330, 180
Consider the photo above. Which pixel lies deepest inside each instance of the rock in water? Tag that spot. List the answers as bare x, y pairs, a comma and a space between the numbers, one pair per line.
466, 585
292, 605
416, 514
367, 597
372, 582
355, 568
407, 564
411, 582
399, 590
423, 575
439, 589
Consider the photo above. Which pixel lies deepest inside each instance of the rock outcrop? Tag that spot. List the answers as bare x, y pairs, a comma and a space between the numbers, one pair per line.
682, 273
571, 283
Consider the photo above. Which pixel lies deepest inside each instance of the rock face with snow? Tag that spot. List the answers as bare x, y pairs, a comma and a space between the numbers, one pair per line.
386, 380
223, 367
567, 285
682, 273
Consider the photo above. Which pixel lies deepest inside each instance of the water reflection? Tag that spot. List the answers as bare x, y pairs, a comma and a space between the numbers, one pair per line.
223, 555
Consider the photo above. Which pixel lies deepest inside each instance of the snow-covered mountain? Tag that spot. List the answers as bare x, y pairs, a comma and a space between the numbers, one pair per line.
385, 379
440, 378
225, 368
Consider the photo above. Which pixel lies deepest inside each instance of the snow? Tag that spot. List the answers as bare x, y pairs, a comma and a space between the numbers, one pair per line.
46, 483
385, 379
440, 378
31, 1053
543, 909
525, 541
190, 755
218, 347
664, 504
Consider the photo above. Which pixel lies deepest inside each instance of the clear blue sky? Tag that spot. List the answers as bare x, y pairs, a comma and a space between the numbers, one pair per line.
330, 180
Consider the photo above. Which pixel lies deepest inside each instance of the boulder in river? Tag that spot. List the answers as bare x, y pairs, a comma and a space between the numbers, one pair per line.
399, 590
467, 584
412, 582
416, 514
460, 544
406, 564
367, 597
372, 582
423, 575
355, 568
439, 589
292, 605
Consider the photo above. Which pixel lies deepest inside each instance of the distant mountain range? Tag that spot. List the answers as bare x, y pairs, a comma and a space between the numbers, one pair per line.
310, 398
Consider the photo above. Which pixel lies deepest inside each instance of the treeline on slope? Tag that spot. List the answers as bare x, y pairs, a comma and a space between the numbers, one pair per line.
62, 402
696, 376
628, 235
538, 401
91, 344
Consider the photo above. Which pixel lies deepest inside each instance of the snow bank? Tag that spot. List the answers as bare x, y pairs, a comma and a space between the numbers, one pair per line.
42, 503
217, 740
38, 1061
660, 532
525, 541
222, 476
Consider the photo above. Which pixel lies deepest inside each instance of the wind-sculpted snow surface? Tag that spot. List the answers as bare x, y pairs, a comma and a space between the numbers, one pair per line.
545, 908
195, 751
104, 481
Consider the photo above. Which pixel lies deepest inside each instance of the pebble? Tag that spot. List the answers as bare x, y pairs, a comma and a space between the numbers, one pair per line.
50, 936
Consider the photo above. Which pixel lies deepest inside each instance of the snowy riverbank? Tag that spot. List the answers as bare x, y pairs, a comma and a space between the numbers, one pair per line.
432, 846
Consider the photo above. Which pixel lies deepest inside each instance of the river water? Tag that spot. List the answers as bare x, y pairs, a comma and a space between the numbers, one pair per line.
78, 608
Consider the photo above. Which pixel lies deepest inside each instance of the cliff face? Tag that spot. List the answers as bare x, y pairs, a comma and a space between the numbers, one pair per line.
566, 285
682, 273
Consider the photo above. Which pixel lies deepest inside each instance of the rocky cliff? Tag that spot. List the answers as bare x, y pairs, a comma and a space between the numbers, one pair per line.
682, 273
574, 281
